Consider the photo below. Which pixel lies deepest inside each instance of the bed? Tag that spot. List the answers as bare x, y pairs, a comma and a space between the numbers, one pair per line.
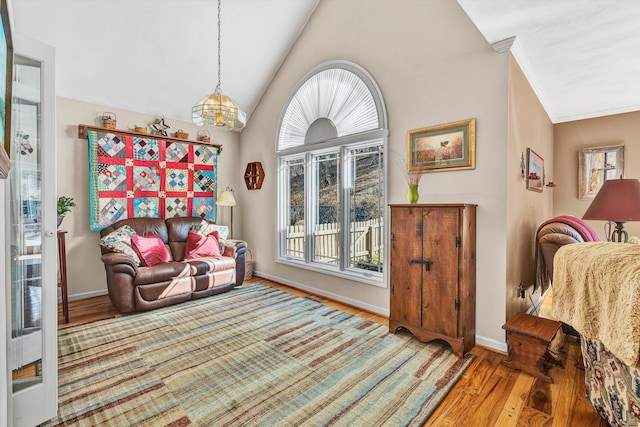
596, 290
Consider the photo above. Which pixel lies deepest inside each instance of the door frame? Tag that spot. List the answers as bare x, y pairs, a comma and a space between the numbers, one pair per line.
39, 403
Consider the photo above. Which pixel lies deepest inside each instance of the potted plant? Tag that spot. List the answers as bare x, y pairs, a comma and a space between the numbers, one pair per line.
65, 204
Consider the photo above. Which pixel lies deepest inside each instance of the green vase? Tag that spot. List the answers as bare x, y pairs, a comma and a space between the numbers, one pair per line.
412, 196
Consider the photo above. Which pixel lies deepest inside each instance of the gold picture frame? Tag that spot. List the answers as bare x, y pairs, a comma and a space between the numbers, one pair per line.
595, 166
450, 146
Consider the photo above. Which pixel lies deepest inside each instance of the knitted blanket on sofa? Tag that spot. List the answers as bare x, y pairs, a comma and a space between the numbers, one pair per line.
543, 278
596, 289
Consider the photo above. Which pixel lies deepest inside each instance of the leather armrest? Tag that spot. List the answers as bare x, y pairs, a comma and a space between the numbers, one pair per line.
234, 248
237, 249
121, 272
112, 259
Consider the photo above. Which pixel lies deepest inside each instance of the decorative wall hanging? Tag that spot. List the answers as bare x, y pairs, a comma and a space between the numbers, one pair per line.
443, 147
535, 171
254, 176
159, 127
143, 176
596, 165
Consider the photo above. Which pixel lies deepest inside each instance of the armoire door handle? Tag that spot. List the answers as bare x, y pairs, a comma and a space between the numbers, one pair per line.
426, 262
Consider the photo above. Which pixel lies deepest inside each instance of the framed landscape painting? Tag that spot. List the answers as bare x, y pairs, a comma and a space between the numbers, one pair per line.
443, 147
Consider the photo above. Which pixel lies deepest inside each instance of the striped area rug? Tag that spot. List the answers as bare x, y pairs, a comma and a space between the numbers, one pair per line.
255, 356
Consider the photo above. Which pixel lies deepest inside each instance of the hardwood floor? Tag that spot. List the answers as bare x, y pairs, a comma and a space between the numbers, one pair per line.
488, 394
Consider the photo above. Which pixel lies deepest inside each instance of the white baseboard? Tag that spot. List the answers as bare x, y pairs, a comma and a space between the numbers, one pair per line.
86, 295
492, 344
352, 302
480, 340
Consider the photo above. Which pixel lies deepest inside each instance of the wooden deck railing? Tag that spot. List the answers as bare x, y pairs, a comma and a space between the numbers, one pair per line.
366, 243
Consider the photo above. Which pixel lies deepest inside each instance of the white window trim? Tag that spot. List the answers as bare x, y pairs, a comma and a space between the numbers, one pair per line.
344, 144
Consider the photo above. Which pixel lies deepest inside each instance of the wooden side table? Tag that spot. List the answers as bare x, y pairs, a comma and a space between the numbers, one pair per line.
62, 278
529, 338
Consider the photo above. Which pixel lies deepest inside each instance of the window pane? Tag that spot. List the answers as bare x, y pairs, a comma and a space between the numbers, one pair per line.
326, 197
366, 198
295, 240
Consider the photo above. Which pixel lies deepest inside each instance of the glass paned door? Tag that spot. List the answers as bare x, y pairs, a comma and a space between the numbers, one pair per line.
31, 237
26, 229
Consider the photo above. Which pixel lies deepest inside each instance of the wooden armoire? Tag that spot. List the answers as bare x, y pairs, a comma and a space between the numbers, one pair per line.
433, 272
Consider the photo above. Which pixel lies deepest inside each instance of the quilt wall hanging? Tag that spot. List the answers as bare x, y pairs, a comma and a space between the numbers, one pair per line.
135, 176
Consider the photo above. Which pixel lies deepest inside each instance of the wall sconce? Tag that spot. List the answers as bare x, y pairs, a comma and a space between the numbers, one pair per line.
254, 176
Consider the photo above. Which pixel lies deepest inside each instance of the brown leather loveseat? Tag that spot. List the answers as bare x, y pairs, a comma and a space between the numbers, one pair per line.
137, 288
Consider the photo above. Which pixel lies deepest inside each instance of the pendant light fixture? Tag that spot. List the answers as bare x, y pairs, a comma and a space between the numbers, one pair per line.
218, 109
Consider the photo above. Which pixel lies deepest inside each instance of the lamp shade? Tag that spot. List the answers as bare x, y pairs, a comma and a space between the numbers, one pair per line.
219, 110
225, 198
618, 200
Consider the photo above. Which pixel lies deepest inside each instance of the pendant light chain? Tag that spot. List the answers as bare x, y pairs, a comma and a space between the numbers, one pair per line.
217, 109
218, 89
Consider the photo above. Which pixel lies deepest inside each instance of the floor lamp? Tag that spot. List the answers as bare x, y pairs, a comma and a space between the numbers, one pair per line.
225, 198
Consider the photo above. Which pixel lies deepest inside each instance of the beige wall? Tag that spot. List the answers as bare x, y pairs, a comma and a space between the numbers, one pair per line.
85, 271
599, 132
433, 67
529, 127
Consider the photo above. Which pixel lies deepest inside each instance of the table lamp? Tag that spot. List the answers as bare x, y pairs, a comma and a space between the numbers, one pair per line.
617, 201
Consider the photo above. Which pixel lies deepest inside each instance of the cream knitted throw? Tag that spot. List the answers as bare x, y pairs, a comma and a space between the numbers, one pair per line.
596, 289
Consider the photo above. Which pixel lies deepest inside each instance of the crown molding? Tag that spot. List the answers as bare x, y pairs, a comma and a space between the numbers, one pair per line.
503, 46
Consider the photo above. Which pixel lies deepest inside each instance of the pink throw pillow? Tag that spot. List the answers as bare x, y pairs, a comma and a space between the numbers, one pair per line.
202, 246
150, 249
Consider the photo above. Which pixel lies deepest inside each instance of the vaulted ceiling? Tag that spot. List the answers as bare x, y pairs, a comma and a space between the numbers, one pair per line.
160, 56
582, 57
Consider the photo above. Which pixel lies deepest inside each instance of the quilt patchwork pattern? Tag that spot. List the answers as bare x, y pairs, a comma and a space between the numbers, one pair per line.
132, 176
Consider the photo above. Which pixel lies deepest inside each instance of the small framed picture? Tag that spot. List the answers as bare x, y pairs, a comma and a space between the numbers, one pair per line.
443, 147
595, 166
535, 171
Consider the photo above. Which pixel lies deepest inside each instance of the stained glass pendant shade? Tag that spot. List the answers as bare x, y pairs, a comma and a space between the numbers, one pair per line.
217, 109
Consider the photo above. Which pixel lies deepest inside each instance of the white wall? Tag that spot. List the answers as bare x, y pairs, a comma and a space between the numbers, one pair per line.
85, 270
432, 67
5, 322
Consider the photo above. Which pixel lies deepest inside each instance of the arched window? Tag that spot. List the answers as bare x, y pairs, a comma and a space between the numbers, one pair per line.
331, 173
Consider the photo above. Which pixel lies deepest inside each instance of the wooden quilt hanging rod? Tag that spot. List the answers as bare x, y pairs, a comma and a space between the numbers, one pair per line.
83, 129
